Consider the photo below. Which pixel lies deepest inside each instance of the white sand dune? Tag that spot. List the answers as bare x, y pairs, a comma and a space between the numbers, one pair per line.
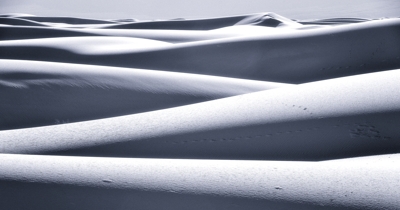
335, 118
44, 93
138, 114
57, 182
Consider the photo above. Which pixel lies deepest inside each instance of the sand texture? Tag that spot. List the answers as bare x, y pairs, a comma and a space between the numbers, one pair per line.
241, 112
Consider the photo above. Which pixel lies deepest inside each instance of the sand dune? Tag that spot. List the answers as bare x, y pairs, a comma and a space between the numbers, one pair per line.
134, 114
336, 118
102, 183
43, 93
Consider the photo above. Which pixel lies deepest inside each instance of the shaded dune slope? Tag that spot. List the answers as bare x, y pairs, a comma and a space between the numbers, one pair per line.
174, 36
19, 22
333, 21
26, 32
68, 20
336, 118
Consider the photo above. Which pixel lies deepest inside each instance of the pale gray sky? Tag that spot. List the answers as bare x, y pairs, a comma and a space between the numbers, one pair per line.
164, 9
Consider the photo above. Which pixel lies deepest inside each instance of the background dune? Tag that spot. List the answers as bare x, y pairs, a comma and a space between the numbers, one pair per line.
314, 54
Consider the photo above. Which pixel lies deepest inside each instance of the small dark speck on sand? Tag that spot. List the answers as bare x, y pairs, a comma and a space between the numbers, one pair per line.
278, 188
107, 180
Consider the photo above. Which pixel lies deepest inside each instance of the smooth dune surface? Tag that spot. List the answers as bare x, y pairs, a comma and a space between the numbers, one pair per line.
254, 111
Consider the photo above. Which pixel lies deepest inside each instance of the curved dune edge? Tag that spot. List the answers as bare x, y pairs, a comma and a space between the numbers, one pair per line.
78, 183
345, 117
19, 22
44, 93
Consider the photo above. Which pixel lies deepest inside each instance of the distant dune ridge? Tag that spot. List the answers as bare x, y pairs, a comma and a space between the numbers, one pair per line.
303, 114
315, 53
